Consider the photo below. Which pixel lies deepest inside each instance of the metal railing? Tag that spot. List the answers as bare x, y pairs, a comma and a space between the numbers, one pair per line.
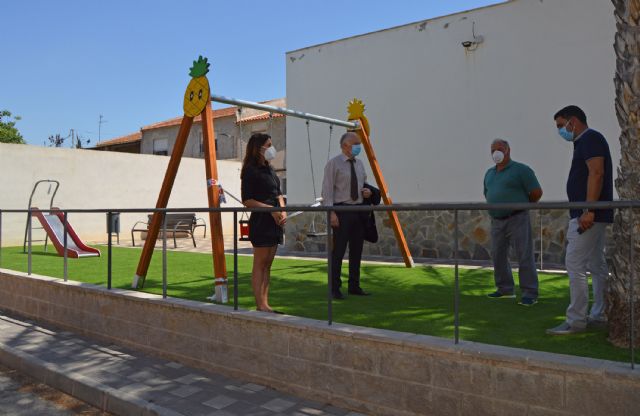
455, 207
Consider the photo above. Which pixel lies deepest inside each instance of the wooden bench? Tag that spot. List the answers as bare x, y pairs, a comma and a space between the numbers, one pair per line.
177, 224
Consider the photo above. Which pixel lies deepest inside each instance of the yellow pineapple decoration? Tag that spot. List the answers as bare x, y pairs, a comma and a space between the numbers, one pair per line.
196, 96
356, 112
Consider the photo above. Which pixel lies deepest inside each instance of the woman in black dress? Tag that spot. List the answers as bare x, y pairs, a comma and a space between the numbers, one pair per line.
261, 188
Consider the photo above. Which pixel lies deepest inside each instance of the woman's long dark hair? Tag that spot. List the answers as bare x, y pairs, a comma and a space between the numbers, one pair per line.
253, 156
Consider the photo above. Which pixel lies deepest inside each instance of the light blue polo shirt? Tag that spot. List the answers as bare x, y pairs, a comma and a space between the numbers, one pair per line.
514, 183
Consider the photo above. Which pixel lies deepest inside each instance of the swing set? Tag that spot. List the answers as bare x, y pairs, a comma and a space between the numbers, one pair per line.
197, 101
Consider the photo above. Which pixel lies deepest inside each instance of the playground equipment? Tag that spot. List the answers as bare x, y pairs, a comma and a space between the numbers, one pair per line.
360, 125
53, 224
51, 182
197, 101
54, 227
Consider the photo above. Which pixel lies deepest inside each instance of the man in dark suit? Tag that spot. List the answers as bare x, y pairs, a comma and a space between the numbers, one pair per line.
343, 184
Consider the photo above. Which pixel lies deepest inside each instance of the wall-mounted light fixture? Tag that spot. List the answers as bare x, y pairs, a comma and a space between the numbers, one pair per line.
472, 45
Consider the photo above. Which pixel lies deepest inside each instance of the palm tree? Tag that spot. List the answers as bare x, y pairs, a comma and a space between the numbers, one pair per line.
627, 84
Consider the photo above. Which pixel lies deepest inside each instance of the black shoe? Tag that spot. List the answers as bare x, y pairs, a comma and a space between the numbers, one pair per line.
336, 294
358, 292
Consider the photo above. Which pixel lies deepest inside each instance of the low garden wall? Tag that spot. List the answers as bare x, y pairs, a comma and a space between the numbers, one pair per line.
429, 235
373, 371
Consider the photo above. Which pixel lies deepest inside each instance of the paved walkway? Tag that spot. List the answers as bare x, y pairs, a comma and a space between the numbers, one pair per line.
127, 382
21, 396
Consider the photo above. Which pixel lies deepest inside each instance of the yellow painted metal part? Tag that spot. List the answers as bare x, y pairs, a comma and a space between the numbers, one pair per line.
356, 112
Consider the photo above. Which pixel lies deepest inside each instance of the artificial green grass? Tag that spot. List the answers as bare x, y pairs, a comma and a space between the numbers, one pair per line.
418, 300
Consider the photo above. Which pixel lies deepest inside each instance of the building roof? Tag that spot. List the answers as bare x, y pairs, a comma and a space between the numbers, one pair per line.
260, 117
220, 113
223, 112
129, 138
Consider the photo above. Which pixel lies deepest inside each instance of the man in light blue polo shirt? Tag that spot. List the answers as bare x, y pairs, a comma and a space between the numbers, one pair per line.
509, 182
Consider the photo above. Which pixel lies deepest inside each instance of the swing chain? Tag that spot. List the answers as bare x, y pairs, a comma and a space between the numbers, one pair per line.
240, 131
313, 177
330, 136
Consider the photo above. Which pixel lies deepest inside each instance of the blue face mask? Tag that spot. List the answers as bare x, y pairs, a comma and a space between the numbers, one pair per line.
566, 134
356, 149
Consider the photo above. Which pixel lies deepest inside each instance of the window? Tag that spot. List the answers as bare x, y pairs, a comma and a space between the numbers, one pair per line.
161, 147
202, 144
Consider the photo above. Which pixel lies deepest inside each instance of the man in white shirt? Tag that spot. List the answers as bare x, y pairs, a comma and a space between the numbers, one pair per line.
343, 184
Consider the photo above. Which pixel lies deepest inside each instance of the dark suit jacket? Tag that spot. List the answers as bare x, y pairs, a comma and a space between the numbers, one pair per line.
370, 229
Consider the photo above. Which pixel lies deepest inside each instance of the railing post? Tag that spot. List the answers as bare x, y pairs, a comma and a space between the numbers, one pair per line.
235, 260
109, 247
456, 295
541, 243
164, 254
0, 238
329, 269
632, 329
65, 245
29, 238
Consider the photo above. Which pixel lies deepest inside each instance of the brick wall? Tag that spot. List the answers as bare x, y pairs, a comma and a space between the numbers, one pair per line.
369, 370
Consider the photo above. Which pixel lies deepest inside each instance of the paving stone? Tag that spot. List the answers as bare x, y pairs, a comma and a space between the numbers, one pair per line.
332, 410
191, 378
253, 387
173, 365
220, 402
238, 389
222, 413
134, 388
144, 375
310, 411
185, 391
244, 408
278, 405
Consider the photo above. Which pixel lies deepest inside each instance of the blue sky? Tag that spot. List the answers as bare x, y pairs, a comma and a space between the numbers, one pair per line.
66, 62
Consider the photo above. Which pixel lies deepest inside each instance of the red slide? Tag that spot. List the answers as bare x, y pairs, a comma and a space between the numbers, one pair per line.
53, 223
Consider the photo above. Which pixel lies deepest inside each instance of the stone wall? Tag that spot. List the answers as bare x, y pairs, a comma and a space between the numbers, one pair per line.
368, 370
430, 235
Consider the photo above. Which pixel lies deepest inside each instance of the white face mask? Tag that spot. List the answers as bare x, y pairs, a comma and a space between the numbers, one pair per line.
270, 153
497, 156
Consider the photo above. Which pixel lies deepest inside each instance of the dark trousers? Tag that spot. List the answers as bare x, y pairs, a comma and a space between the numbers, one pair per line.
351, 233
514, 231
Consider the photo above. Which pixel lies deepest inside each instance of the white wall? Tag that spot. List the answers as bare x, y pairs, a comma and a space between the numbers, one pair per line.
434, 108
90, 179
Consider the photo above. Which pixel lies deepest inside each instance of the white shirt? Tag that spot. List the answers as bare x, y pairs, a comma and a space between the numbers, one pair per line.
336, 184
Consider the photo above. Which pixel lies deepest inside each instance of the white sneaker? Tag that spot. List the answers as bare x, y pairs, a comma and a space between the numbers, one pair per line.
564, 329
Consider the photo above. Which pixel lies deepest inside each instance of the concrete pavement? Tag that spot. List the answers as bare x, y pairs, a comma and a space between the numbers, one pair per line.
126, 382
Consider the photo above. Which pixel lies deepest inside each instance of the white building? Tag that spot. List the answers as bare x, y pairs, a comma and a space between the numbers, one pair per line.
435, 106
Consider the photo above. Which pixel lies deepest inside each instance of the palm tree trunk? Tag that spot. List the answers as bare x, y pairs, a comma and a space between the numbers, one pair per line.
625, 228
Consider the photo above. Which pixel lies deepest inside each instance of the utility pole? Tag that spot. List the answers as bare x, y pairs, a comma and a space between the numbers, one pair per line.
100, 123
72, 139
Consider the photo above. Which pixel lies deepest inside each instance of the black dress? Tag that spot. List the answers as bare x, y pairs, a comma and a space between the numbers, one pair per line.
262, 184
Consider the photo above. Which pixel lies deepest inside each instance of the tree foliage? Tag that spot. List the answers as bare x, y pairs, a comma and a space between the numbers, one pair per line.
8, 132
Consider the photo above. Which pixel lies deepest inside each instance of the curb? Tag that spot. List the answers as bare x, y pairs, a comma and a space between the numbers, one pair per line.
83, 388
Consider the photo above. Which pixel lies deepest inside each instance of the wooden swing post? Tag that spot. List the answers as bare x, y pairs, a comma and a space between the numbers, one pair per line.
196, 102
356, 113
213, 195
163, 199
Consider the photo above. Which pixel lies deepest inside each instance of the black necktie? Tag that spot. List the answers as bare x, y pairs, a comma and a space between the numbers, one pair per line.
354, 180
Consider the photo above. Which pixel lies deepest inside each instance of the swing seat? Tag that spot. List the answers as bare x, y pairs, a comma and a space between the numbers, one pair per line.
317, 234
